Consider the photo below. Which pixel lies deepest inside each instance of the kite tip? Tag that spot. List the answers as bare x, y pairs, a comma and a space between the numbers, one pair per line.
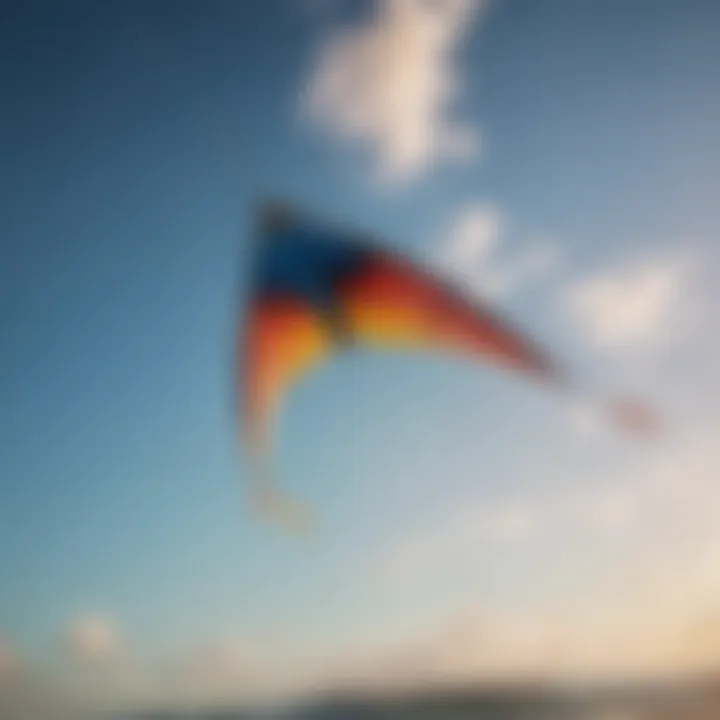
274, 213
635, 417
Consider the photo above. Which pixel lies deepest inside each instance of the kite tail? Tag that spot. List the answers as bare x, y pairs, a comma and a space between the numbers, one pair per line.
626, 413
273, 505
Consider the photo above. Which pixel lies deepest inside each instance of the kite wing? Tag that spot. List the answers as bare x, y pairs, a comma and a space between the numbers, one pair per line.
392, 303
284, 341
318, 290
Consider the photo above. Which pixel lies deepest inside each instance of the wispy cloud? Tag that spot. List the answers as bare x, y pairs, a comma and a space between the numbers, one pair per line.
223, 670
487, 644
473, 524
222, 664
652, 502
94, 637
390, 86
632, 305
472, 253
475, 644
474, 236
113, 674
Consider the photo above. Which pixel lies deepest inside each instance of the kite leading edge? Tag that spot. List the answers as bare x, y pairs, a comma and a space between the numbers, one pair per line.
317, 290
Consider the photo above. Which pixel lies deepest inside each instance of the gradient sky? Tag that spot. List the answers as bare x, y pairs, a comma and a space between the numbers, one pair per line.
135, 139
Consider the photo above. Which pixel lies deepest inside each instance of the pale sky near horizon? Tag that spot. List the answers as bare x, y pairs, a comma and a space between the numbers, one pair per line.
556, 156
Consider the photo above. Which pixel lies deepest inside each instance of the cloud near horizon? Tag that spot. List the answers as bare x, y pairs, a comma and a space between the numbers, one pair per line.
389, 85
94, 638
487, 645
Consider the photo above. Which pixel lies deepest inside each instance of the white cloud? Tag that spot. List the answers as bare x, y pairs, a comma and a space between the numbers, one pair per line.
633, 305
94, 637
470, 254
220, 662
474, 236
391, 83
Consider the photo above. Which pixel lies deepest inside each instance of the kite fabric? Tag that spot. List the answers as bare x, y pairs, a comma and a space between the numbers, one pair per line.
317, 290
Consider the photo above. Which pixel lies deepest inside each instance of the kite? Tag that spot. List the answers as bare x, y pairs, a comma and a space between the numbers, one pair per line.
317, 290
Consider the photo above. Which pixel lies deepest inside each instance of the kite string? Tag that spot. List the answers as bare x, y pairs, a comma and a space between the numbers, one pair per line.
275, 505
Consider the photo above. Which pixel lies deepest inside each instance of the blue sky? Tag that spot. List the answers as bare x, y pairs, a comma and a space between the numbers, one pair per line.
136, 138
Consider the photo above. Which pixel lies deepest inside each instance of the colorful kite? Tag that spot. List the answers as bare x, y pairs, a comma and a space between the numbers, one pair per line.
317, 290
